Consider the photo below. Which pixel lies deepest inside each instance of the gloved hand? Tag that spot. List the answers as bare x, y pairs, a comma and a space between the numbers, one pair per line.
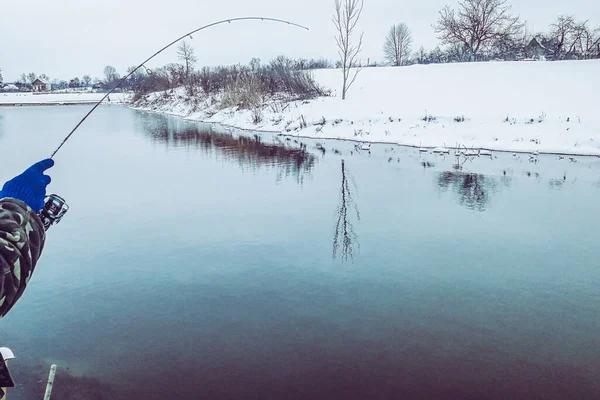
30, 186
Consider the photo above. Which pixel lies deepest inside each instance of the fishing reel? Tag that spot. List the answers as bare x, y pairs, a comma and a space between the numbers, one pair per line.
55, 207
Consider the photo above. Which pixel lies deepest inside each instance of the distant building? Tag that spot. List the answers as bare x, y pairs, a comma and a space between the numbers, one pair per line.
40, 85
536, 50
98, 86
10, 88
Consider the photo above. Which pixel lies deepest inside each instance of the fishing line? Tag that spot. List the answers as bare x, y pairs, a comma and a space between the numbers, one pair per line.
160, 51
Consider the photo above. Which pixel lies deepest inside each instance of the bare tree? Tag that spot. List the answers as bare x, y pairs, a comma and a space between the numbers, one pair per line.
456, 52
346, 16
420, 55
1, 79
582, 39
560, 32
185, 53
397, 45
437, 56
31, 77
595, 42
476, 24
110, 75
86, 79
591, 41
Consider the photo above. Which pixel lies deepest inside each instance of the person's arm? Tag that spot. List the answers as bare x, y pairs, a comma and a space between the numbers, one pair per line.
22, 233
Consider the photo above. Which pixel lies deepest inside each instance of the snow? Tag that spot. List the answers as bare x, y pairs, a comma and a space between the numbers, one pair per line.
544, 107
56, 98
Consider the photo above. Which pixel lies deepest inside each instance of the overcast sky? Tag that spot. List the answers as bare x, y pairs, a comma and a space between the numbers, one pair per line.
68, 38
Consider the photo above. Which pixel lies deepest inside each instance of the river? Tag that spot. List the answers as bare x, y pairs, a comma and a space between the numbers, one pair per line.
202, 262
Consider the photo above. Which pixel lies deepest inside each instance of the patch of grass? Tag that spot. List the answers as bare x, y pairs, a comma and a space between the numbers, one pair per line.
429, 118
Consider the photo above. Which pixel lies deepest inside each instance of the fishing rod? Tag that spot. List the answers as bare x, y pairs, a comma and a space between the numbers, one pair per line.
160, 51
55, 207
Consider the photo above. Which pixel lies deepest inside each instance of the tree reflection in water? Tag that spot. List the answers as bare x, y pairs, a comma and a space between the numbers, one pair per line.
473, 190
247, 151
345, 236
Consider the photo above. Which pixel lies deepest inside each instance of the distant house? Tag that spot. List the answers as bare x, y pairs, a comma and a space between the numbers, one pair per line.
40, 85
10, 88
98, 86
536, 50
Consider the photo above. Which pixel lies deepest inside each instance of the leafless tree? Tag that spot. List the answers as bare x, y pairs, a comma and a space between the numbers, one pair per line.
592, 42
344, 229
561, 32
31, 77
420, 55
185, 53
1, 79
456, 52
110, 75
583, 39
346, 16
86, 79
397, 45
476, 24
437, 56
176, 73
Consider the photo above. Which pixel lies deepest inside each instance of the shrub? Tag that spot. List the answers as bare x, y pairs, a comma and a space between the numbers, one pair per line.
282, 76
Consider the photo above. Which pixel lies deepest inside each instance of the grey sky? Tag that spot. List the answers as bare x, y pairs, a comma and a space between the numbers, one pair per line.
67, 38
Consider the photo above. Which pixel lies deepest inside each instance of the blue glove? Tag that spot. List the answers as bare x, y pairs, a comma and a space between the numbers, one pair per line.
30, 186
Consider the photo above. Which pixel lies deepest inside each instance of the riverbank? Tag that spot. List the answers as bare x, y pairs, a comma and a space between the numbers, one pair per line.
544, 107
54, 99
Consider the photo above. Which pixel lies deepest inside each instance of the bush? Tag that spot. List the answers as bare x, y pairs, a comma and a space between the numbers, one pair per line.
242, 86
243, 93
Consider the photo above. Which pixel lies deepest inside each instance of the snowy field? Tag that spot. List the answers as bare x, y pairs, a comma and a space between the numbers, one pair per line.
545, 107
56, 98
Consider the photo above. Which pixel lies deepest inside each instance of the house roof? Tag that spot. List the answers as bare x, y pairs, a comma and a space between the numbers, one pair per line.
38, 80
536, 41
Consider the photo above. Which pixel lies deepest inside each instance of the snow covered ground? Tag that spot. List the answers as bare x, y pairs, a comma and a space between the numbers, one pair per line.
545, 107
56, 98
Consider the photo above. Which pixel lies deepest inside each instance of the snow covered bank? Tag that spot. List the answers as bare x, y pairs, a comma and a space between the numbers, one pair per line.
56, 98
546, 107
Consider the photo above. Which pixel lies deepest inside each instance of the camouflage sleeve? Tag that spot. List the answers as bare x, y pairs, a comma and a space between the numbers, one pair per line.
22, 237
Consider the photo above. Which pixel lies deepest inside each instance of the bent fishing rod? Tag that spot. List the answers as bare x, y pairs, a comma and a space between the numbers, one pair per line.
55, 206
225, 21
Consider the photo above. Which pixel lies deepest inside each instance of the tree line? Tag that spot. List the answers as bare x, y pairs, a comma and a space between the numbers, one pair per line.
26, 80
474, 30
242, 86
484, 30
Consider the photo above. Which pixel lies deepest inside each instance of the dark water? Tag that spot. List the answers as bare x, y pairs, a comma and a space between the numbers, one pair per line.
197, 263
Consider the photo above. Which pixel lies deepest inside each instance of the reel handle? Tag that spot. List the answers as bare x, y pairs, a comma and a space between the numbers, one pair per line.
55, 207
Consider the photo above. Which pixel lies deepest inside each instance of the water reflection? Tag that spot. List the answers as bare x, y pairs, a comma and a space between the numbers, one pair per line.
345, 236
473, 190
248, 151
